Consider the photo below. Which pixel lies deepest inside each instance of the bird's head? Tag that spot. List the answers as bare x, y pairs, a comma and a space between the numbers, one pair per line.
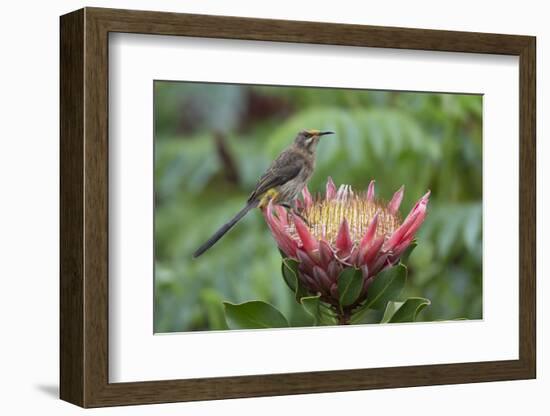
308, 139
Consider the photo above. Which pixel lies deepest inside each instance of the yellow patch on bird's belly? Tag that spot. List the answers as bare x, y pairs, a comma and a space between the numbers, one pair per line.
267, 196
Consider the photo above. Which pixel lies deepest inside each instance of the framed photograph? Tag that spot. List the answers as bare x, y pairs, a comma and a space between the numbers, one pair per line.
257, 207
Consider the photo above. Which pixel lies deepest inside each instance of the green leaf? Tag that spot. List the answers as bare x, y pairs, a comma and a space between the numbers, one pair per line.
312, 305
253, 315
391, 308
350, 283
450, 320
405, 311
365, 316
407, 253
387, 285
289, 268
290, 274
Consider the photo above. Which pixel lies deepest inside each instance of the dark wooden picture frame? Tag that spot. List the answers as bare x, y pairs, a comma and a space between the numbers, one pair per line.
84, 207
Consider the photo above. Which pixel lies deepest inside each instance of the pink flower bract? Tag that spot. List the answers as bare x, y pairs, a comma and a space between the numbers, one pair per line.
343, 229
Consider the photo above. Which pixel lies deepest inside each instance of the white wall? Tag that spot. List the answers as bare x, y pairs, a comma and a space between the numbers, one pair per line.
29, 206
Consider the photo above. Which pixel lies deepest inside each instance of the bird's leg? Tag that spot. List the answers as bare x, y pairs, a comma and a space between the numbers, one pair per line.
292, 209
288, 210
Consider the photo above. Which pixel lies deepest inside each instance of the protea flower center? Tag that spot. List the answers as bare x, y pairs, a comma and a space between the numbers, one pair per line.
325, 216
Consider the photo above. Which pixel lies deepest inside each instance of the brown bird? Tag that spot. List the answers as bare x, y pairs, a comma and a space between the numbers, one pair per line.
282, 182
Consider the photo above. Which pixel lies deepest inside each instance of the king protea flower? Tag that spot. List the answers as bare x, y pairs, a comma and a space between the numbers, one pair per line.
343, 229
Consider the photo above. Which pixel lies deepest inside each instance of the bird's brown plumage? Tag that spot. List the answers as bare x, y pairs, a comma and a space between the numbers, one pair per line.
282, 181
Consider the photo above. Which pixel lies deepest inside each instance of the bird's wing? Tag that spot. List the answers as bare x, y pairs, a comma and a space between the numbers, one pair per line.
286, 167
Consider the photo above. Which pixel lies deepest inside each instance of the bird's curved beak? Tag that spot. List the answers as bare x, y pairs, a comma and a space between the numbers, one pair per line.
324, 133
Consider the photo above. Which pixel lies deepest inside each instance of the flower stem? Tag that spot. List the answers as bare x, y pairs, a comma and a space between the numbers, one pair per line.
343, 318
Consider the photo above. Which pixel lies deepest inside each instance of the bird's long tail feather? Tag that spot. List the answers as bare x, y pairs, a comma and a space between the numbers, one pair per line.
225, 228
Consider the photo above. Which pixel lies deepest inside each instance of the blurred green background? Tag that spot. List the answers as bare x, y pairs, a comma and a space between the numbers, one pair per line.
212, 141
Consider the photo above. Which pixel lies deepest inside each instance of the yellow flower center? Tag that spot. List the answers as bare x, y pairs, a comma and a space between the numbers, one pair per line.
325, 217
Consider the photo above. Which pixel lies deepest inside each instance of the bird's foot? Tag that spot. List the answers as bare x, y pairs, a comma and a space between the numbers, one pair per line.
292, 210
